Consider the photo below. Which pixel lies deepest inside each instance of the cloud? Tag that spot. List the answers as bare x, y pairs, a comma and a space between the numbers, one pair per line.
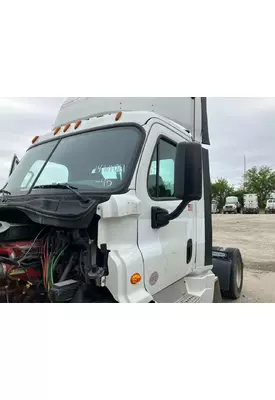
237, 126
20, 120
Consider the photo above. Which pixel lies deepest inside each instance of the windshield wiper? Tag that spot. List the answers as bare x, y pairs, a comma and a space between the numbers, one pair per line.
73, 189
5, 191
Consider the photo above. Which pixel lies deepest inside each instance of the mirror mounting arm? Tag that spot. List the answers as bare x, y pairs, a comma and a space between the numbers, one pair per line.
161, 217
177, 212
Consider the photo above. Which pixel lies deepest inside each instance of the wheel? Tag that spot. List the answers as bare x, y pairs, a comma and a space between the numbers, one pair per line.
236, 278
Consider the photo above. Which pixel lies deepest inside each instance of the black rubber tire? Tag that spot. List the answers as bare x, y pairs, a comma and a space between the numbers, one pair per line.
235, 291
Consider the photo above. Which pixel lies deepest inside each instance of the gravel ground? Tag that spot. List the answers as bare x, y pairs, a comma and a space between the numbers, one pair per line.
254, 235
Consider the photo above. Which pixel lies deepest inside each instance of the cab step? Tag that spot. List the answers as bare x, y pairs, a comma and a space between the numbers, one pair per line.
188, 298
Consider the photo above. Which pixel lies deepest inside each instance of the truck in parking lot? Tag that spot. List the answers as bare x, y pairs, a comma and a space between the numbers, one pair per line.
114, 205
232, 205
251, 205
214, 207
270, 206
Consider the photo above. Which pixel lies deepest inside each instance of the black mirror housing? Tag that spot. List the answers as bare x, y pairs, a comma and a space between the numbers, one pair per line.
188, 171
14, 163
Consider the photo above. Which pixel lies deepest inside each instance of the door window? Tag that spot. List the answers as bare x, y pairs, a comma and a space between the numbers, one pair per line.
161, 178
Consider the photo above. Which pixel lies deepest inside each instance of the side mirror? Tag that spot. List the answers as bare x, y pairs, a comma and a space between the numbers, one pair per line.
188, 183
188, 172
14, 163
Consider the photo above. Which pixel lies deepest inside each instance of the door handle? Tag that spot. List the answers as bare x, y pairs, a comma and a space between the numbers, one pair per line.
189, 251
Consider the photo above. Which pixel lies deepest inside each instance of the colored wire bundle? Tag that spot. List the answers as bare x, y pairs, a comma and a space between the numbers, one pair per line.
51, 257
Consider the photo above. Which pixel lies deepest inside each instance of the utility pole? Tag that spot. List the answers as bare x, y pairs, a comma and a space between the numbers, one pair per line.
244, 172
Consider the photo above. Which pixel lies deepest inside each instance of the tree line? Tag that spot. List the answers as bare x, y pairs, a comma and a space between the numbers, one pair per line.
260, 181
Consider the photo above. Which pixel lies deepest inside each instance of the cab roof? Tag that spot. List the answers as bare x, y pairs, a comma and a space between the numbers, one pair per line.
189, 112
137, 117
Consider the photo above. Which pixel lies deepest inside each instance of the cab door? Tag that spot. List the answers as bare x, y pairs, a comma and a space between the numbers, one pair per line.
168, 252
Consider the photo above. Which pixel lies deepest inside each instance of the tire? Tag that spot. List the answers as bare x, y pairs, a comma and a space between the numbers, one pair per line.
236, 278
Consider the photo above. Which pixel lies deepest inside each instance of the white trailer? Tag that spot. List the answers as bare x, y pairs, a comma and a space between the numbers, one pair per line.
251, 205
114, 205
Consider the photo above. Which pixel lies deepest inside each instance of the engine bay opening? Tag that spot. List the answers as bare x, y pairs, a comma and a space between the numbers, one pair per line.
46, 264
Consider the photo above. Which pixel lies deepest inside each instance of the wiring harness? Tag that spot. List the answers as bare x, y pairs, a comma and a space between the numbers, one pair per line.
57, 266
52, 253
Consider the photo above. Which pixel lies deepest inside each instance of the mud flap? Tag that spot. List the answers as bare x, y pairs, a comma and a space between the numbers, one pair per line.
217, 298
228, 267
221, 267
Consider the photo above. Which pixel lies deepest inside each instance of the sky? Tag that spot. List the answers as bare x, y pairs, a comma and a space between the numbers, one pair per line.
238, 127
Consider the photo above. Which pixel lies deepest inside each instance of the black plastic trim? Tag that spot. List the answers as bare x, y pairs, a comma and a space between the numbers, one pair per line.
74, 217
189, 251
159, 217
207, 207
204, 122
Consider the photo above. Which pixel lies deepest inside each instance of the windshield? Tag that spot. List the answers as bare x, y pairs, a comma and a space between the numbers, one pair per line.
99, 160
231, 200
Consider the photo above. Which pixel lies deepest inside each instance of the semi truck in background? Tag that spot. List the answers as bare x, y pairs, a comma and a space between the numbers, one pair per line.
114, 205
251, 205
232, 205
270, 206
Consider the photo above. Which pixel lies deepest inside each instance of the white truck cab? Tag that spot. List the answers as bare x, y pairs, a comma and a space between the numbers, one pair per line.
270, 206
117, 200
232, 205
251, 205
